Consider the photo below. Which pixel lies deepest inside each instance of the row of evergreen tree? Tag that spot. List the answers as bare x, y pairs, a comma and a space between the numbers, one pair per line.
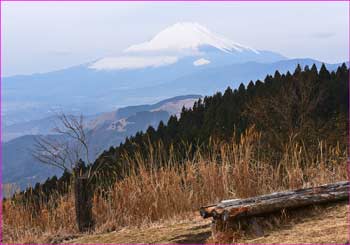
309, 104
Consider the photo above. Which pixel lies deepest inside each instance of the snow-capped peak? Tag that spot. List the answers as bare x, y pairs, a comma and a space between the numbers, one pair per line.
187, 36
169, 46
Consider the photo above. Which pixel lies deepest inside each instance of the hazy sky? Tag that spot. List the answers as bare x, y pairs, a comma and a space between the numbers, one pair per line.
45, 36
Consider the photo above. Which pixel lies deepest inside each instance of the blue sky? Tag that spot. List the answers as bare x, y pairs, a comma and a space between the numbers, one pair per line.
41, 37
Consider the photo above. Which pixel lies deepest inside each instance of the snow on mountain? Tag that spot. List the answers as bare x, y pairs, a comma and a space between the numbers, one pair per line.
201, 62
137, 76
187, 36
172, 44
129, 62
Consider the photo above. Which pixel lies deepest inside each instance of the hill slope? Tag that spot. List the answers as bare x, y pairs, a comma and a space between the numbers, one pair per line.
103, 131
323, 225
235, 144
315, 109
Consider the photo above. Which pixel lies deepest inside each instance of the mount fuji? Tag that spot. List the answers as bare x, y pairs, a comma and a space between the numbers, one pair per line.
185, 58
188, 43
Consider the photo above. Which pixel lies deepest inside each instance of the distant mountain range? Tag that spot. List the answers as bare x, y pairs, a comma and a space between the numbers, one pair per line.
185, 58
179, 51
103, 130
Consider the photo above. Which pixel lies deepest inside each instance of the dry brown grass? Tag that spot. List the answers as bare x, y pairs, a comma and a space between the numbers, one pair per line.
22, 225
152, 194
327, 224
313, 225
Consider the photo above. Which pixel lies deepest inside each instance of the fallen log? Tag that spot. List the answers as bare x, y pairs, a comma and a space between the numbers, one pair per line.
254, 214
236, 208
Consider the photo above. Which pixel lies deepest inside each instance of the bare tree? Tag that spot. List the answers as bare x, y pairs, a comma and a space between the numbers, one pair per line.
68, 148
66, 152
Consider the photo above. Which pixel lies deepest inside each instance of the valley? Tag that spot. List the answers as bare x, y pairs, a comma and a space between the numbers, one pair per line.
107, 129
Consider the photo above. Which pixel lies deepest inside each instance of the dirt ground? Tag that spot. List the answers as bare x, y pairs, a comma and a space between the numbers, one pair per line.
331, 225
185, 232
328, 224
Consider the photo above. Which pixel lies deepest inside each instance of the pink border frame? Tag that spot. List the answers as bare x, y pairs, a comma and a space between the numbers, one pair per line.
348, 160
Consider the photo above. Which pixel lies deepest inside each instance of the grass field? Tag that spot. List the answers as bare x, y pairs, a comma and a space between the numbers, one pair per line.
327, 224
167, 197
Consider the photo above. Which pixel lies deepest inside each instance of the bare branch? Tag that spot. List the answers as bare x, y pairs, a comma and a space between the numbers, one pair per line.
71, 146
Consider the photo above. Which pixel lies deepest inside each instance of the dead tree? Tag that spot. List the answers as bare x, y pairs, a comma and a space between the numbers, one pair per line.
66, 152
83, 204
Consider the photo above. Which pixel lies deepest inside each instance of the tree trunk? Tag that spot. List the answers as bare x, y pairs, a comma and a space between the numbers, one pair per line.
83, 204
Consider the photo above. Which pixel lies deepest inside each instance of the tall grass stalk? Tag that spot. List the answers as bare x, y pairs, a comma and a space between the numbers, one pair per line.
151, 193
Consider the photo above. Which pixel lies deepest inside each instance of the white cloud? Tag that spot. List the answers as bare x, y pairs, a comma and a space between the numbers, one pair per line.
201, 62
132, 62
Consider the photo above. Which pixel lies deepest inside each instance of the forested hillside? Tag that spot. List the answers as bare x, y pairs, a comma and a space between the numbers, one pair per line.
307, 106
286, 132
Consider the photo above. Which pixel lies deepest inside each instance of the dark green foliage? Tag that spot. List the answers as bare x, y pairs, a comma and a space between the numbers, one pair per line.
308, 105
